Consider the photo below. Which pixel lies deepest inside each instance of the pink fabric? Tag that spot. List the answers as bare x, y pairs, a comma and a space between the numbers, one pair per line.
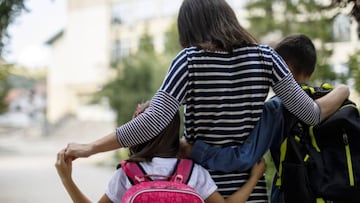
161, 191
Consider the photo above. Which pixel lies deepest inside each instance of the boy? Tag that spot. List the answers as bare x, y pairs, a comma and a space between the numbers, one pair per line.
299, 53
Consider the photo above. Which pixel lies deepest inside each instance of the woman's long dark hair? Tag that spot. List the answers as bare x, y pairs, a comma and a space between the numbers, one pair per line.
165, 145
211, 25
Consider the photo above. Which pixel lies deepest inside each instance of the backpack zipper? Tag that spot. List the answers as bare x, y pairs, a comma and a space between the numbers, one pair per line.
348, 159
313, 139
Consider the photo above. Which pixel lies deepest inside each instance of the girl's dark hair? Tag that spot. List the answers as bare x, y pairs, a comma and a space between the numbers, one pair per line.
165, 145
211, 25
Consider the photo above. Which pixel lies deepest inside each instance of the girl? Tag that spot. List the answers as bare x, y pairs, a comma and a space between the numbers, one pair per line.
222, 77
157, 156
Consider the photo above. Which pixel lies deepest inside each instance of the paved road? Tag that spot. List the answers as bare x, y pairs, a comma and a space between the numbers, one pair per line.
27, 172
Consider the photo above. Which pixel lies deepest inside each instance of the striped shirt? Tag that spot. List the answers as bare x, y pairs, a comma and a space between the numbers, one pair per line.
223, 94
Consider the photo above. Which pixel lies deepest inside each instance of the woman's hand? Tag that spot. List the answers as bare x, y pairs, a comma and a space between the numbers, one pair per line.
63, 166
74, 150
104, 144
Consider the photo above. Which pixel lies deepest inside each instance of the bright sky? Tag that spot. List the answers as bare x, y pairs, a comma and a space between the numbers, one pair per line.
32, 29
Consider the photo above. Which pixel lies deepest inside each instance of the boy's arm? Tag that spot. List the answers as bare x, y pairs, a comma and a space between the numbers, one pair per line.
64, 169
243, 157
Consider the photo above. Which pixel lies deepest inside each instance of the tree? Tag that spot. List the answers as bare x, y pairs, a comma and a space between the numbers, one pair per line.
295, 16
354, 59
355, 11
4, 85
133, 82
172, 44
354, 70
9, 10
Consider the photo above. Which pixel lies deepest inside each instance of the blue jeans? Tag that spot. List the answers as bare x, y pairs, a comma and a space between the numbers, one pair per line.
268, 133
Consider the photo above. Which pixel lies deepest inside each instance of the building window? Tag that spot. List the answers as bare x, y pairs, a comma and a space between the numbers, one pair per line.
115, 52
121, 13
120, 49
169, 8
341, 28
145, 9
125, 48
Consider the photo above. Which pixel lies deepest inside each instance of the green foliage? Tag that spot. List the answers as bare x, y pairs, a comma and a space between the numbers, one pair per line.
354, 69
4, 87
9, 10
133, 82
270, 170
261, 26
172, 45
324, 71
300, 16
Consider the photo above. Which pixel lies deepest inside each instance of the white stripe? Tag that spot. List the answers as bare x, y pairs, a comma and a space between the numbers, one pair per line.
225, 128
174, 73
219, 82
229, 138
226, 105
227, 113
215, 98
229, 175
225, 142
225, 121
224, 73
179, 83
227, 66
205, 58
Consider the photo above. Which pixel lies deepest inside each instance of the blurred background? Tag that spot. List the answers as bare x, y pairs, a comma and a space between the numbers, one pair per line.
73, 70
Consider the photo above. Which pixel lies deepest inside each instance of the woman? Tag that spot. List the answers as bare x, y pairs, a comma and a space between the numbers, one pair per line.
222, 77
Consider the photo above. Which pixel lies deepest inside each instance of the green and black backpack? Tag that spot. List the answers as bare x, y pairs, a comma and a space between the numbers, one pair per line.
321, 163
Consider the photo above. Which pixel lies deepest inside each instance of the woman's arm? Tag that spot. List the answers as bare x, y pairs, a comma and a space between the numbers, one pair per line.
332, 101
295, 99
242, 195
106, 143
64, 169
150, 123
305, 108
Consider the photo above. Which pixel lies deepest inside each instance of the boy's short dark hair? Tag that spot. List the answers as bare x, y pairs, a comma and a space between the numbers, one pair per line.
299, 52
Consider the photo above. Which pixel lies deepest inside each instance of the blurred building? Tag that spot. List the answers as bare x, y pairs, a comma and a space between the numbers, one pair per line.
346, 41
98, 33
79, 57
345, 38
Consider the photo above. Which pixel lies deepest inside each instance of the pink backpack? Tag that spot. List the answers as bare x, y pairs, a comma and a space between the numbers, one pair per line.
172, 189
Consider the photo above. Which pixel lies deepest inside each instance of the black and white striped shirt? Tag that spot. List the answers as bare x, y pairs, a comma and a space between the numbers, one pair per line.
223, 94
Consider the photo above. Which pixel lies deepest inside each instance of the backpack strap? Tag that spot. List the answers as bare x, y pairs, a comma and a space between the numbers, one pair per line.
183, 171
134, 172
